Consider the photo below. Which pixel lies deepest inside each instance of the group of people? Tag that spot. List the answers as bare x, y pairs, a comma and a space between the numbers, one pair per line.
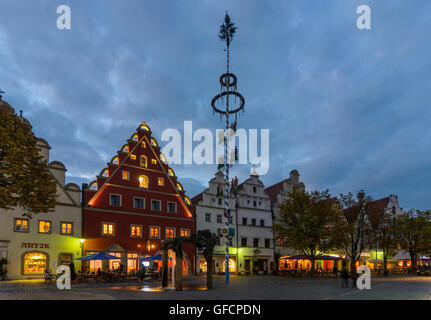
345, 275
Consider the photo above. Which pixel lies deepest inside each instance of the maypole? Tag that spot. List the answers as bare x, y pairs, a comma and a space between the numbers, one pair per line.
227, 80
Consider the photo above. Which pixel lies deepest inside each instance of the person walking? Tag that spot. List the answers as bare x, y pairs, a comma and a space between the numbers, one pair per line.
344, 276
335, 271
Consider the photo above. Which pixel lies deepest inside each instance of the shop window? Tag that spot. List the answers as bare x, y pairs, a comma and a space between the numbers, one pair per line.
154, 232
114, 263
231, 265
21, 225
132, 262
143, 182
94, 264
115, 199
108, 229
66, 228
139, 203
44, 226
160, 181
126, 175
136, 231
169, 233
143, 161
172, 207
185, 232
35, 263
156, 205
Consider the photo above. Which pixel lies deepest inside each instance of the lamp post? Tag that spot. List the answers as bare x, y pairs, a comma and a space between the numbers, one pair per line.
229, 82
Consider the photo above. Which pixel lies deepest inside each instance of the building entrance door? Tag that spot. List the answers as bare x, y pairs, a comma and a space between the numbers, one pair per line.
247, 263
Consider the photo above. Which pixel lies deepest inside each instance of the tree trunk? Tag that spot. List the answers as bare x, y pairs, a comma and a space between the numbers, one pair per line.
209, 272
353, 265
385, 264
178, 273
413, 261
164, 268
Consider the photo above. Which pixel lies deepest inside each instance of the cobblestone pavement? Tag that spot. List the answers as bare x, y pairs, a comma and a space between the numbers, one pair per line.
240, 287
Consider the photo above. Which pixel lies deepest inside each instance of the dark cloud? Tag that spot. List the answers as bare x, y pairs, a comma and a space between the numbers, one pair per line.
349, 109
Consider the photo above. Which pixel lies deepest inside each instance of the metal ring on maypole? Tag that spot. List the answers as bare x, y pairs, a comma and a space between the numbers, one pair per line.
225, 93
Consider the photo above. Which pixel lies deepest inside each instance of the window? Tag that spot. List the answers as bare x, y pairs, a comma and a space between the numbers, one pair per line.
105, 173
133, 157
135, 137
256, 242
156, 205
21, 225
254, 189
108, 229
172, 207
220, 201
132, 264
170, 233
136, 231
126, 175
126, 149
219, 218
66, 228
93, 186
267, 243
144, 145
139, 203
35, 263
153, 161
207, 217
243, 242
171, 173
163, 158
143, 161
143, 182
161, 181
115, 200
154, 232
185, 232
253, 222
65, 259
44, 226
254, 203
179, 187
153, 142
262, 222
244, 221
114, 263
115, 160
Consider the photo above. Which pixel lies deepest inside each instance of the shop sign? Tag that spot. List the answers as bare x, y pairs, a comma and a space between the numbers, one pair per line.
34, 245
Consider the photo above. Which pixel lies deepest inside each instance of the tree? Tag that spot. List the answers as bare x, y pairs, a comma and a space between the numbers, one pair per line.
352, 233
383, 232
413, 230
25, 180
306, 222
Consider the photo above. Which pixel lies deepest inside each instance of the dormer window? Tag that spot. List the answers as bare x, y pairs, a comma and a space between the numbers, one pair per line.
126, 149
105, 173
179, 187
93, 186
115, 160
153, 142
171, 173
187, 199
162, 157
135, 138
145, 127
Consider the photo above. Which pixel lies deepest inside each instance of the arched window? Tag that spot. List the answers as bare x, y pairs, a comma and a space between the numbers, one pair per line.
163, 158
153, 142
93, 186
145, 127
135, 137
179, 187
144, 145
171, 172
187, 199
143, 182
35, 263
105, 173
115, 160
143, 161
125, 149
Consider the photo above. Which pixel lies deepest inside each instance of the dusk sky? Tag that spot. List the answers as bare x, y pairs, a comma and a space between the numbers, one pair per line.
348, 108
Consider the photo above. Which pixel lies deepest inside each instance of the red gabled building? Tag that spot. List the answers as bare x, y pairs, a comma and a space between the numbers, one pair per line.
135, 203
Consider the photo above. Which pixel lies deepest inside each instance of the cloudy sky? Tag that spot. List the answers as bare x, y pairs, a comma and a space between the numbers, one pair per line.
349, 109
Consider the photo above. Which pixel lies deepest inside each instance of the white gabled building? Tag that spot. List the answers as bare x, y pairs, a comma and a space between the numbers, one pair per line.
209, 209
254, 225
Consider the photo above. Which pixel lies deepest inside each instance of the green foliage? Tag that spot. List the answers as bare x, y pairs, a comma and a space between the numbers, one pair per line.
307, 222
25, 180
227, 30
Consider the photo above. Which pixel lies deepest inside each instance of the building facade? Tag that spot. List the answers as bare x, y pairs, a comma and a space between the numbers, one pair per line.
135, 203
255, 228
209, 210
44, 241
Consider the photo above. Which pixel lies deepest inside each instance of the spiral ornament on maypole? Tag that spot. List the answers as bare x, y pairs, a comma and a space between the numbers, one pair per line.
228, 81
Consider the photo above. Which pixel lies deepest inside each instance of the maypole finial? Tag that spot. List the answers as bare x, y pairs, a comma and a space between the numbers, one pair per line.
227, 30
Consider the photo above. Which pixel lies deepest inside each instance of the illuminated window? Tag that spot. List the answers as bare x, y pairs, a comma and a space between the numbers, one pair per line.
143, 161
153, 142
153, 161
44, 226
187, 199
21, 225
144, 145
108, 229
115, 160
135, 137
231, 265
162, 157
126, 175
143, 182
145, 127
133, 157
66, 228
136, 231
93, 186
185, 232
156, 205
114, 263
161, 181
132, 264
171, 173
172, 207
35, 263
105, 173
179, 187
169, 233
115, 200
126, 149
139, 203
154, 232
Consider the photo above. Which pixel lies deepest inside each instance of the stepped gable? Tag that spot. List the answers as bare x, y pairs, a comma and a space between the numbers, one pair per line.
139, 168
